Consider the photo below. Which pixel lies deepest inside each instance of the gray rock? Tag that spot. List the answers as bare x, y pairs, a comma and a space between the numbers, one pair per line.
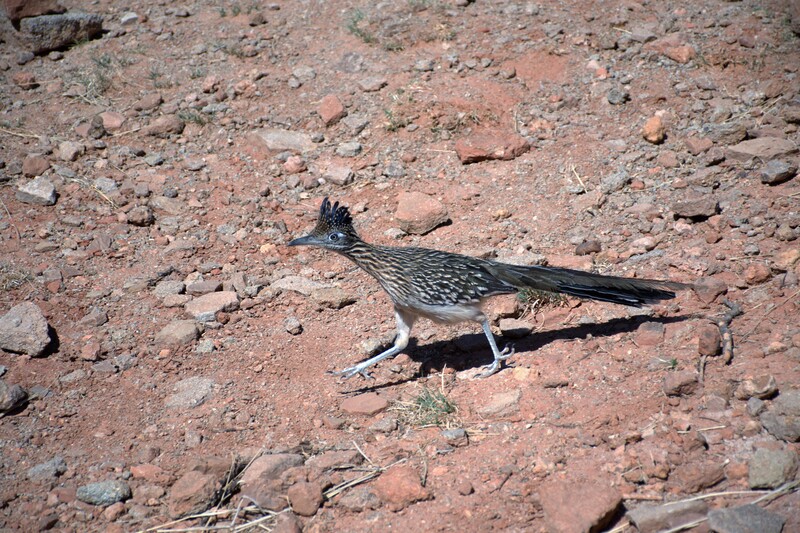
278, 140
769, 469
48, 470
356, 123
745, 519
190, 392
777, 171
38, 191
372, 84
106, 185
178, 333
699, 208
299, 284
456, 437
205, 308
24, 329
155, 159
167, 287
70, 150
782, 420
51, 32
654, 518
293, 325
348, 149
332, 297
11, 396
104, 492
424, 65
141, 216
614, 182
129, 18
338, 175
394, 170
617, 96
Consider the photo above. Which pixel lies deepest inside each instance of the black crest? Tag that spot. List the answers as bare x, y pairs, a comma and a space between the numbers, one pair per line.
334, 216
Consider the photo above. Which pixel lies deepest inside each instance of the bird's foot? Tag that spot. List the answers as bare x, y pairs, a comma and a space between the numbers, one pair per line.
348, 373
497, 364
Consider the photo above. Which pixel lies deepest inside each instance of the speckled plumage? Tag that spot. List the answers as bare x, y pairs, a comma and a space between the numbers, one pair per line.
448, 287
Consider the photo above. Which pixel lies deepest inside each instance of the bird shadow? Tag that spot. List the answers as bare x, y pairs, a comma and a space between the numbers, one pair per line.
472, 350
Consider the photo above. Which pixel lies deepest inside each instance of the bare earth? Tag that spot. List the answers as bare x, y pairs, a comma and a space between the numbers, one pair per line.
153, 136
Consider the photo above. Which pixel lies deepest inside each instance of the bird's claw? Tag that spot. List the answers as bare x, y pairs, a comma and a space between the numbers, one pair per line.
493, 368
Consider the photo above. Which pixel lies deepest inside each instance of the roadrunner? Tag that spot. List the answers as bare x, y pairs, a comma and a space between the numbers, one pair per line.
450, 288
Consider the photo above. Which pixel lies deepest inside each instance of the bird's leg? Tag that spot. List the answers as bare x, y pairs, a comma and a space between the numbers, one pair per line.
499, 356
404, 323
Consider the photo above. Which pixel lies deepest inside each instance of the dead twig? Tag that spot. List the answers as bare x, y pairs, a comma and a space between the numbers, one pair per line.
18, 134
11, 219
768, 312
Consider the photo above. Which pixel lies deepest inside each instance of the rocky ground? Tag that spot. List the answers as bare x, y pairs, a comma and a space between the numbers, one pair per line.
164, 354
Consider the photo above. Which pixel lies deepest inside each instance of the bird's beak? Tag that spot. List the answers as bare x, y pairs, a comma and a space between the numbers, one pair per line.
302, 241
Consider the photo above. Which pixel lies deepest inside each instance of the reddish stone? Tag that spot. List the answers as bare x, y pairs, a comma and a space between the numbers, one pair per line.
20, 9
487, 145
399, 487
681, 54
757, 273
112, 120
654, 130
34, 165
708, 340
305, 498
698, 145
365, 404
419, 213
331, 110
598, 505
25, 80
192, 493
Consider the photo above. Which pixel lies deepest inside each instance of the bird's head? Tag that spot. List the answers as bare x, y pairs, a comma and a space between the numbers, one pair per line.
334, 229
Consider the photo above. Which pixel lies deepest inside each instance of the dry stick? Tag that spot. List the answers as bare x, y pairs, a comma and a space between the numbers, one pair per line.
765, 315
17, 134
10, 218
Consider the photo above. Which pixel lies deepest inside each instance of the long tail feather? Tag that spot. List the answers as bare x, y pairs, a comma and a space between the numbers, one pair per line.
625, 291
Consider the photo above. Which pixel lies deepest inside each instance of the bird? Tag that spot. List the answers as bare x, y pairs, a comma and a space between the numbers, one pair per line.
450, 288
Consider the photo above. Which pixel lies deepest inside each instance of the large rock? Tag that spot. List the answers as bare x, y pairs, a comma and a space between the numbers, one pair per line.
24, 329
399, 487
769, 469
38, 191
782, 420
190, 392
745, 519
763, 148
104, 492
654, 518
578, 507
265, 142
206, 307
490, 145
178, 333
419, 213
53, 32
17, 10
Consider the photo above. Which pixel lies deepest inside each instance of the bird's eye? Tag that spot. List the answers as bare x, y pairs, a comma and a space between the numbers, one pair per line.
333, 237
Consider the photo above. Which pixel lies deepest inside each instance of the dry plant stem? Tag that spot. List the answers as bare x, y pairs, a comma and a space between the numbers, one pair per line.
10, 219
767, 313
18, 134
